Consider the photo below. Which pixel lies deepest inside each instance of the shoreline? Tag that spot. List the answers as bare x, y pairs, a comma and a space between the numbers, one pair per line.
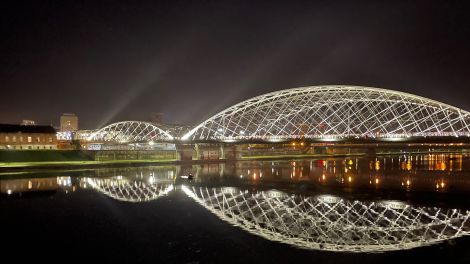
6, 167
23, 166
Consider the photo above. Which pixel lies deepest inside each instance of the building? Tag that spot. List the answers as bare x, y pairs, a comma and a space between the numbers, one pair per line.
22, 137
26, 122
83, 135
68, 123
65, 138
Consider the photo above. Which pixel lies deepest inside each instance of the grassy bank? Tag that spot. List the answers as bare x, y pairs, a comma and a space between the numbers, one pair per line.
22, 166
43, 159
7, 156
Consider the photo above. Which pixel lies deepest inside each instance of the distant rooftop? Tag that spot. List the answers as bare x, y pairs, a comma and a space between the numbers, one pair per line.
13, 128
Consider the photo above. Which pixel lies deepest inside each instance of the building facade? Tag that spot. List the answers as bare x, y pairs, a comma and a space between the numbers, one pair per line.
21, 137
65, 139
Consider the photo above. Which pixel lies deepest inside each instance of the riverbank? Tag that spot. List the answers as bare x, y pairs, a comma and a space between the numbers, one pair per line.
26, 156
300, 156
15, 160
12, 166
6, 167
22, 166
339, 155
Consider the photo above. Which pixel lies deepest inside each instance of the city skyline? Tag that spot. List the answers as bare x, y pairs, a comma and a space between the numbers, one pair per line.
190, 60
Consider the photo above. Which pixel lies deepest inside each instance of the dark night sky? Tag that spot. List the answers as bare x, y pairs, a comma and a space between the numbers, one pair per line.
109, 60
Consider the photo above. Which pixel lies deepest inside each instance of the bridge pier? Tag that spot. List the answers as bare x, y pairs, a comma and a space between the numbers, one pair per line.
219, 151
230, 152
371, 151
184, 152
204, 151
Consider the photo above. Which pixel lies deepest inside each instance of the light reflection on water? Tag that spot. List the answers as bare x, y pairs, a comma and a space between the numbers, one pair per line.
247, 194
331, 223
437, 173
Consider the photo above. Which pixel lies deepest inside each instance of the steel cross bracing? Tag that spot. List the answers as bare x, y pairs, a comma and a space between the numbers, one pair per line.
134, 191
333, 112
130, 131
331, 223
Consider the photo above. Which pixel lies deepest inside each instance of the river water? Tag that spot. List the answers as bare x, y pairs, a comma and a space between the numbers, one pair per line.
410, 207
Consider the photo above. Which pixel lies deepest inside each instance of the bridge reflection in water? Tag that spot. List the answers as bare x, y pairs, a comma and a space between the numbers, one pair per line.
134, 184
322, 222
233, 192
131, 191
331, 223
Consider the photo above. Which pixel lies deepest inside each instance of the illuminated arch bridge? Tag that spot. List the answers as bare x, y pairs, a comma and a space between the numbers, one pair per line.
317, 112
333, 112
130, 131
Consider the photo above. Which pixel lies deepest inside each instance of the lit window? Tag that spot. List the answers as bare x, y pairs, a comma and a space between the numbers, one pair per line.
50, 140
7, 138
30, 139
14, 138
38, 140
21, 139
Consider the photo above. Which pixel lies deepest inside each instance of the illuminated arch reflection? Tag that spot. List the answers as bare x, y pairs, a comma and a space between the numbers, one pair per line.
331, 223
130, 191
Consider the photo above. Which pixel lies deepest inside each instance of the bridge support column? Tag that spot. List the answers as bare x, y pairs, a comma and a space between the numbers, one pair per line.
320, 150
184, 152
371, 151
231, 152
222, 151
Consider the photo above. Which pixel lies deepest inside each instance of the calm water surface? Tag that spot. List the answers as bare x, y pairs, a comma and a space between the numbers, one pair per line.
373, 210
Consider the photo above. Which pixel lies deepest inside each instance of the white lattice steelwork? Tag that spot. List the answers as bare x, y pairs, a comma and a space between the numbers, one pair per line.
130, 131
334, 112
331, 223
130, 191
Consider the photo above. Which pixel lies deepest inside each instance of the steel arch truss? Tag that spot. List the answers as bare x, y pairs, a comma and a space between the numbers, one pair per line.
130, 191
334, 112
130, 131
331, 223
